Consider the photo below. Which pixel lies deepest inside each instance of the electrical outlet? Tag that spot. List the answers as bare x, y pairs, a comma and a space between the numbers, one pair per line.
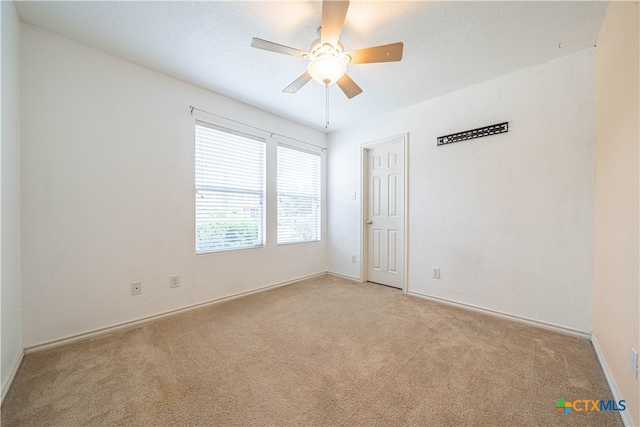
174, 281
136, 288
353, 259
436, 272
353, 195
634, 363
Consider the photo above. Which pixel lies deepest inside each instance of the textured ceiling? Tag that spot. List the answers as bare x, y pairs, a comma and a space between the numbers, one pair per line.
447, 46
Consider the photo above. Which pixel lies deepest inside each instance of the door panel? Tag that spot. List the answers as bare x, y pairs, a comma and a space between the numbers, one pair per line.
385, 214
376, 249
376, 196
392, 200
393, 251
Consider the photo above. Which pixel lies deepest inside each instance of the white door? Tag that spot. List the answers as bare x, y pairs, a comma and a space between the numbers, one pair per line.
385, 215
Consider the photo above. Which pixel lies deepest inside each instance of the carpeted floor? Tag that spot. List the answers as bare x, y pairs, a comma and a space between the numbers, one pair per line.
320, 352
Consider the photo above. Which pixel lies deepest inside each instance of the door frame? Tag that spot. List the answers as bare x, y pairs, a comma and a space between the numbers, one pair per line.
364, 203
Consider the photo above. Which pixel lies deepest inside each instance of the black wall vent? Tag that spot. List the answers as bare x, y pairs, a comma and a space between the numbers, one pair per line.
473, 133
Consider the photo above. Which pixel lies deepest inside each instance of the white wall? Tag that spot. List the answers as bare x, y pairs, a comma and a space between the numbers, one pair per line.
107, 180
617, 211
11, 342
507, 218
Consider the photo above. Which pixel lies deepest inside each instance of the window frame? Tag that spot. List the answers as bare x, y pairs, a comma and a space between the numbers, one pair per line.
200, 189
317, 196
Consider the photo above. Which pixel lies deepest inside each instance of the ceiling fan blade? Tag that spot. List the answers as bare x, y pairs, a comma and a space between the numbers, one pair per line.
333, 14
298, 83
275, 47
385, 53
348, 86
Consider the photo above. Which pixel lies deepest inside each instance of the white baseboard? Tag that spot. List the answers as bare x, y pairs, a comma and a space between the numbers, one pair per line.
612, 384
158, 316
532, 322
344, 276
6, 384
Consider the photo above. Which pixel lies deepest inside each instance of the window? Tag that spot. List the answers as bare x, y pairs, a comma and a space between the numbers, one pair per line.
298, 196
230, 189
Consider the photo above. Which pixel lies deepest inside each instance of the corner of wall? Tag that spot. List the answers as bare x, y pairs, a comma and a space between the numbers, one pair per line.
11, 350
6, 382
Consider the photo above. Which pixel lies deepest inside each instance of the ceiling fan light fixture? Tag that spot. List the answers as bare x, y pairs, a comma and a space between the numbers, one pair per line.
327, 69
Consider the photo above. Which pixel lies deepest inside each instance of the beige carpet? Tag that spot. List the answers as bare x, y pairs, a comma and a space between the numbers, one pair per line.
321, 352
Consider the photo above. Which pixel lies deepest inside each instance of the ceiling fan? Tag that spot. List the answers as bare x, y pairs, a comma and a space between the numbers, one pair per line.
327, 59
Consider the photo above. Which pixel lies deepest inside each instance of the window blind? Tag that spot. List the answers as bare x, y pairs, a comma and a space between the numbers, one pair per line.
230, 189
298, 187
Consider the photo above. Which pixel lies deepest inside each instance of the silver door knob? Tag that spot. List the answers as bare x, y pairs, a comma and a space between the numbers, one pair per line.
369, 222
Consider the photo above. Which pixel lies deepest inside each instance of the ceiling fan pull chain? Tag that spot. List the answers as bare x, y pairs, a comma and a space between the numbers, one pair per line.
326, 87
